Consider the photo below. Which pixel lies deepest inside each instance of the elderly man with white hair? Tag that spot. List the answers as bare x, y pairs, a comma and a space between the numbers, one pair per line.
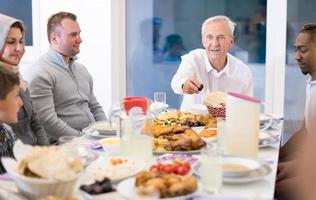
212, 69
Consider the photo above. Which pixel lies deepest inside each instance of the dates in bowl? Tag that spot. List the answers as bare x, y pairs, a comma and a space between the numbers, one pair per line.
98, 187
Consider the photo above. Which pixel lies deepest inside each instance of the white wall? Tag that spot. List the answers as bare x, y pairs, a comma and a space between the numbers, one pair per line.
94, 18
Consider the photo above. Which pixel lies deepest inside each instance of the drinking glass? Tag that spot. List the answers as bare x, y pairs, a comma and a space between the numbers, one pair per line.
211, 170
221, 128
69, 145
138, 147
160, 97
66, 139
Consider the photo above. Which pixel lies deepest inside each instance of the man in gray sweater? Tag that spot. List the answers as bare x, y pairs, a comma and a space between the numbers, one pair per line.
61, 88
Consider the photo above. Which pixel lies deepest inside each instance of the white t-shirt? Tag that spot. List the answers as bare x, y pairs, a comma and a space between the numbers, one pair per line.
310, 106
235, 77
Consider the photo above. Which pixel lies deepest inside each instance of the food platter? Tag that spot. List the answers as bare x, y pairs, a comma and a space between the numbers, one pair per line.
178, 152
128, 190
104, 167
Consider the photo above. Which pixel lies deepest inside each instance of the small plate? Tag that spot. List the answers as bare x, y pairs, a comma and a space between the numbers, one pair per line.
111, 145
209, 139
198, 129
103, 127
94, 133
265, 121
239, 166
267, 139
255, 175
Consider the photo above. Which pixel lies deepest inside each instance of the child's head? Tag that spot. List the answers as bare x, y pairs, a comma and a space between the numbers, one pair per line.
10, 101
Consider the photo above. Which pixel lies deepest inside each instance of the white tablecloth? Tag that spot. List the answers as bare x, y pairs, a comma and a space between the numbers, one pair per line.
261, 189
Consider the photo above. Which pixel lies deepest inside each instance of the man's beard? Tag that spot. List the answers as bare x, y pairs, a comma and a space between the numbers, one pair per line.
304, 72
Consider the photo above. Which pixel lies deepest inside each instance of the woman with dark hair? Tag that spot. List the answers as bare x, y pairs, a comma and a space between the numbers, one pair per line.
28, 128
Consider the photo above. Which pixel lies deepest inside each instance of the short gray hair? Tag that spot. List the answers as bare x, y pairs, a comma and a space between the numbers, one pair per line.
231, 24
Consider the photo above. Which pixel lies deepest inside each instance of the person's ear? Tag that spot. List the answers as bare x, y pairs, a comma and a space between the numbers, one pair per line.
53, 37
231, 42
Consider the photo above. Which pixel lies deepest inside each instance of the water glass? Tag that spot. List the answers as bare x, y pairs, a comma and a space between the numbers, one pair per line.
69, 145
160, 97
66, 139
211, 170
221, 128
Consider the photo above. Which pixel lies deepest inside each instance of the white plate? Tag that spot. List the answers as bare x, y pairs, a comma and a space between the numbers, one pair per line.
103, 127
255, 175
209, 139
198, 129
239, 166
128, 190
265, 121
267, 139
104, 168
94, 133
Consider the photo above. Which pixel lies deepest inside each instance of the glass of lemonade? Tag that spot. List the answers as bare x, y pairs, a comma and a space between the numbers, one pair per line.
211, 170
221, 128
140, 147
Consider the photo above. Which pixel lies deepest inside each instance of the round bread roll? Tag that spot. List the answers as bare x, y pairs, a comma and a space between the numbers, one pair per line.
216, 99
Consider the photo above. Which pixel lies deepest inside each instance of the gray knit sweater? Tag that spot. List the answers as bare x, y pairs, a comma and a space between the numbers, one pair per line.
63, 96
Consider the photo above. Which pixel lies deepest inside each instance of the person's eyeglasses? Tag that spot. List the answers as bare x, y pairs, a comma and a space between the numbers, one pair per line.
309, 27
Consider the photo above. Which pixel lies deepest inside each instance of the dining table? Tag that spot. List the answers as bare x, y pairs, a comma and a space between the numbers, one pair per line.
261, 187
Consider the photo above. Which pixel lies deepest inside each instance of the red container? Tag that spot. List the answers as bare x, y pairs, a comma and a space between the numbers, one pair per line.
135, 101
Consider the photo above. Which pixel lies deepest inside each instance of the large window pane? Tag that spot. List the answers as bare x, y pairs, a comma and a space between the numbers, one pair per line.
160, 31
21, 9
299, 13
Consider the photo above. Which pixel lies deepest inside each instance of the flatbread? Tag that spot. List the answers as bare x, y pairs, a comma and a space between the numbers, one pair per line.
50, 163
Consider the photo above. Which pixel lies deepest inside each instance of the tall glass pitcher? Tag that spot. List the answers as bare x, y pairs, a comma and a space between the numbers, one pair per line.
242, 127
134, 127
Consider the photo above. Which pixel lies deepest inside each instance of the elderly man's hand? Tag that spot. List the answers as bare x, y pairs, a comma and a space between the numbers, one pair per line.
192, 86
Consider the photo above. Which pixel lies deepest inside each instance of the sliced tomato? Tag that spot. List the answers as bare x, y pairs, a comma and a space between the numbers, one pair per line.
168, 168
181, 170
